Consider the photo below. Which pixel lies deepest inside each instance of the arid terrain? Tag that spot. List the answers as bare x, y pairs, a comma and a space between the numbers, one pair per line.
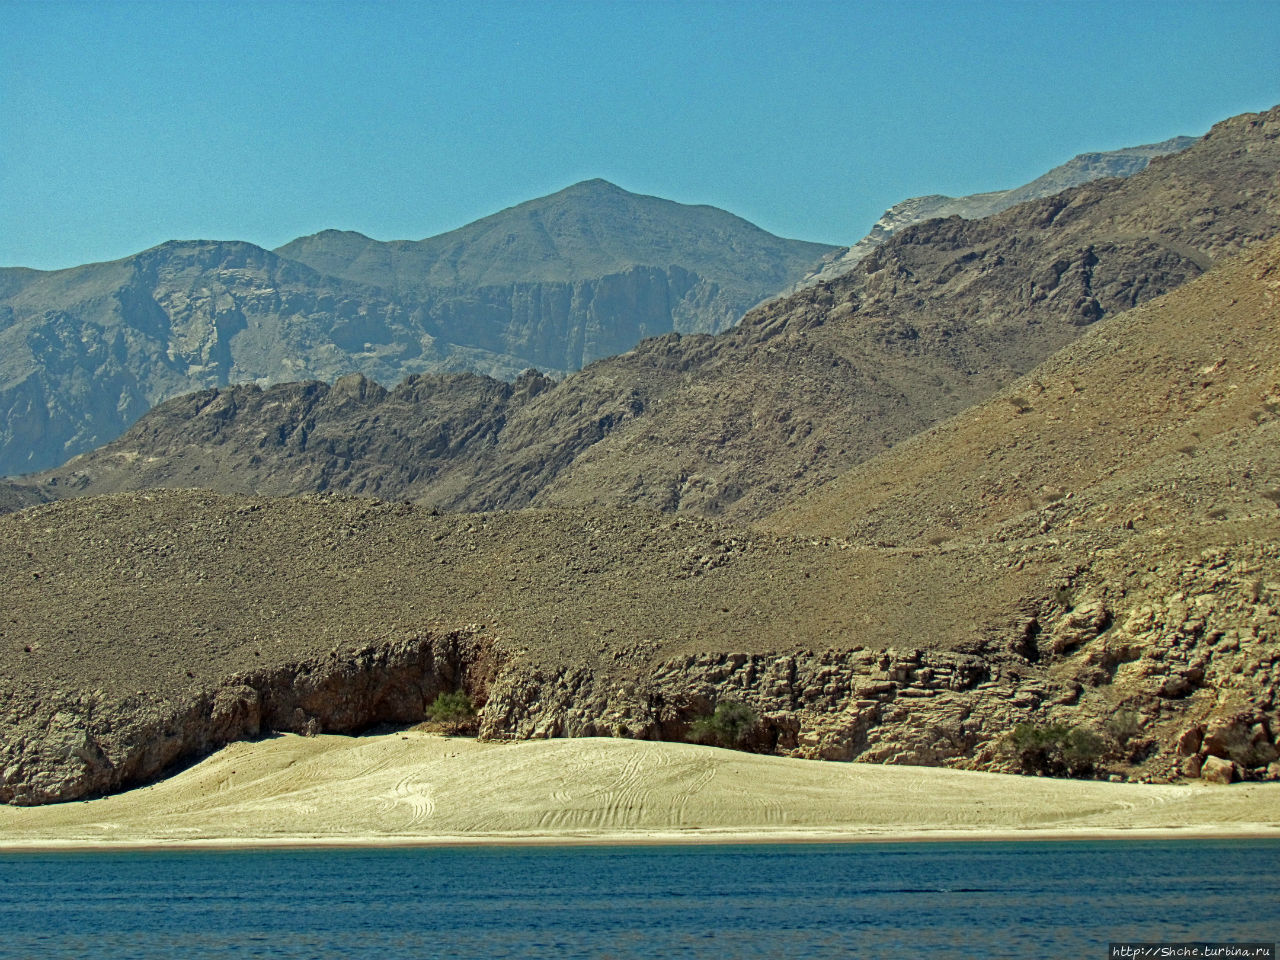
1002, 499
940, 317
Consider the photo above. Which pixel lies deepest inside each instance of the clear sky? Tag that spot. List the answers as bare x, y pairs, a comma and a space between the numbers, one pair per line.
124, 124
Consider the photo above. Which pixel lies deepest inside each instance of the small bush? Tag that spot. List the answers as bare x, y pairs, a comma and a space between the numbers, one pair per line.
452, 709
729, 725
1124, 726
1081, 750
1055, 748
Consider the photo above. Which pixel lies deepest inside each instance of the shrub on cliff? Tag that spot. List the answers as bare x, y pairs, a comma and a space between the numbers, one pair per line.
1054, 748
729, 725
452, 709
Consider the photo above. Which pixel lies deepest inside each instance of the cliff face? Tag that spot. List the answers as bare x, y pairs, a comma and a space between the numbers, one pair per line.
553, 284
79, 744
561, 326
87, 351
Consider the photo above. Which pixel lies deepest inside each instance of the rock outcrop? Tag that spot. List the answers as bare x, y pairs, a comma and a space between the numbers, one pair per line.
67, 745
1178, 678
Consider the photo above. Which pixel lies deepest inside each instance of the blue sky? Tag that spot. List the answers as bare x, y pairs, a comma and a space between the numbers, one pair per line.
126, 124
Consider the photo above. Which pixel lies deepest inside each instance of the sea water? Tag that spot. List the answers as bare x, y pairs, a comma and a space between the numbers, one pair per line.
883, 900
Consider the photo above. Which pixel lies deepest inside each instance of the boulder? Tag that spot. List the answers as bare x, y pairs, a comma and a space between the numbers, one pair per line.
1189, 742
1217, 770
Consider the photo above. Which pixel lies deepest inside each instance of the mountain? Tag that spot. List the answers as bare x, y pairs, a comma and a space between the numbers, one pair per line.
738, 425
553, 284
1145, 458
1079, 571
582, 274
1080, 169
1166, 417
146, 629
589, 230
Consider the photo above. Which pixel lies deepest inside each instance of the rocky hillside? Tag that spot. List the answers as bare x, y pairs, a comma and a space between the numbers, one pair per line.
1163, 416
1074, 573
738, 425
1080, 169
1154, 439
553, 284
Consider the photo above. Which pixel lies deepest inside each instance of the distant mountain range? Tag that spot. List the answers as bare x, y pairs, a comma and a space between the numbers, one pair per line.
553, 283
941, 316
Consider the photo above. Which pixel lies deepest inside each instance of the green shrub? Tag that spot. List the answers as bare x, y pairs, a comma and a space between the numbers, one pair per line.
1124, 726
1081, 750
729, 725
452, 709
1055, 748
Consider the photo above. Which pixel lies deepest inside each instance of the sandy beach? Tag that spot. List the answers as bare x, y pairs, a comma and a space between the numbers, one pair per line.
420, 788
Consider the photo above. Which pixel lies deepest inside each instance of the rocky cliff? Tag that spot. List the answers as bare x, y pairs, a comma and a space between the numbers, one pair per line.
124, 657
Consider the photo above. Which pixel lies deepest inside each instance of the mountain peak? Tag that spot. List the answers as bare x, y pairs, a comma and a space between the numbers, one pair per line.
585, 231
594, 185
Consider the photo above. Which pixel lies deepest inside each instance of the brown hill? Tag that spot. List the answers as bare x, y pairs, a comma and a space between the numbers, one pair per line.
738, 425
1163, 416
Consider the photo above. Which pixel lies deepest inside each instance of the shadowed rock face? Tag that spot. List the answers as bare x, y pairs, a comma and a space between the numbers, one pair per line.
554, 284
96, 744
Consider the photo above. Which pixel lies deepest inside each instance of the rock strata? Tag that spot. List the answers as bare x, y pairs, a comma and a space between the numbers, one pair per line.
67, 745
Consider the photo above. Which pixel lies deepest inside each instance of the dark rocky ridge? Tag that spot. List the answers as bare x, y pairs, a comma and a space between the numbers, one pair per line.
1080, 169
943, 315
554, 283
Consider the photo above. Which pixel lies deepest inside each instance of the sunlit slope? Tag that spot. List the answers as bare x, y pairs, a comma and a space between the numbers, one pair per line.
1165, 414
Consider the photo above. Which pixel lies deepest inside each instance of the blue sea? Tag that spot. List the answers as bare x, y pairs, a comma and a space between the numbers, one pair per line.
884, 900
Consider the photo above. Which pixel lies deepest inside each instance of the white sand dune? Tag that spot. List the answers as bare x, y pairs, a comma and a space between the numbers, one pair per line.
415, 787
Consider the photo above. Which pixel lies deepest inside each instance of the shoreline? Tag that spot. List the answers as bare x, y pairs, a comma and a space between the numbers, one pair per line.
214, 844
